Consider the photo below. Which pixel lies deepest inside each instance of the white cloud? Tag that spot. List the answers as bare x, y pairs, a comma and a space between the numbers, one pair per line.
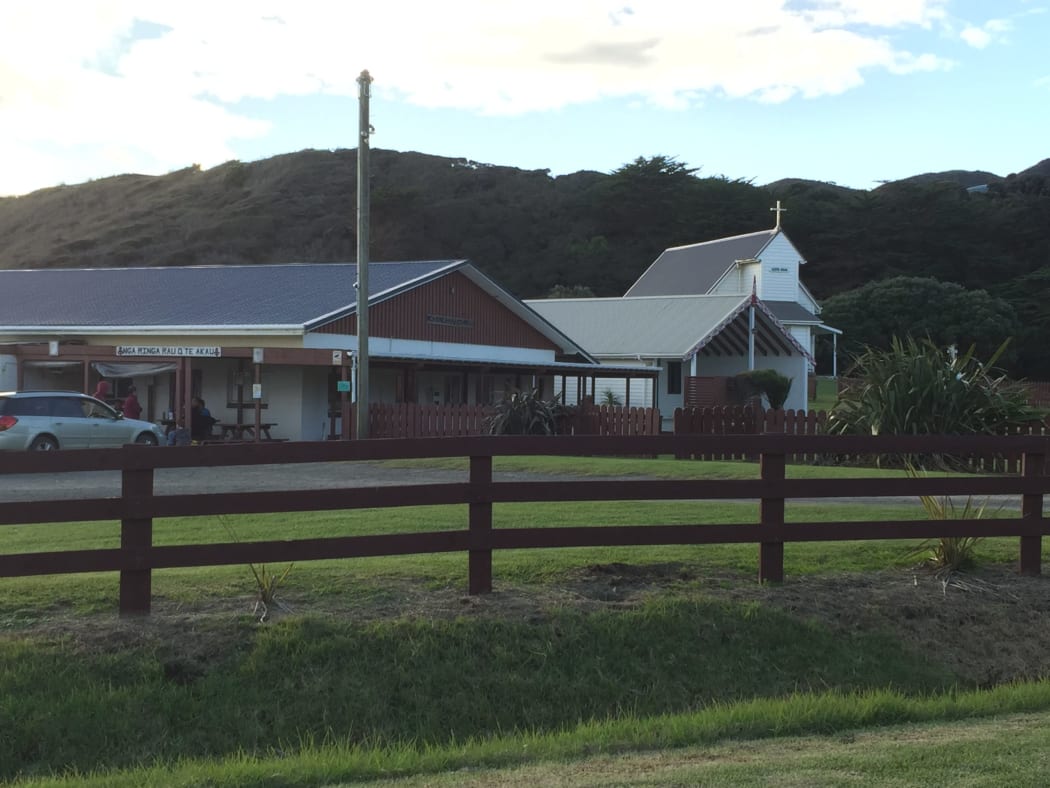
86, 84
981, 37
976, 37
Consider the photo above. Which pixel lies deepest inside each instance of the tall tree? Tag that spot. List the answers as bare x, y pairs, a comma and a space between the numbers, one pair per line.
946, 313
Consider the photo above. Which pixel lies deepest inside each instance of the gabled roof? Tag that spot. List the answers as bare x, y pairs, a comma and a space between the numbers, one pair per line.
255, 296
694, 269
290, 298
653, 326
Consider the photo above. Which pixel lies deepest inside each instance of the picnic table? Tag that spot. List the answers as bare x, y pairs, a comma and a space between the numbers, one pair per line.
246, 432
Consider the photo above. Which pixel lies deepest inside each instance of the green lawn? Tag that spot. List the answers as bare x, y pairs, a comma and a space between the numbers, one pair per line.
386, 669
827, 394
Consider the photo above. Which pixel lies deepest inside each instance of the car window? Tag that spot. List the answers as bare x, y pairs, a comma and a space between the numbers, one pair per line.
66, 407
25, 406
96, 410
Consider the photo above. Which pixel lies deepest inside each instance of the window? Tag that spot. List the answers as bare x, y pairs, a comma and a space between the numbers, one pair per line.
674, 377
95, 410
67, 407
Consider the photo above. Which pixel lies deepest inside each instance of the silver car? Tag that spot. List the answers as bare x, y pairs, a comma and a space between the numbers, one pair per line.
50, 420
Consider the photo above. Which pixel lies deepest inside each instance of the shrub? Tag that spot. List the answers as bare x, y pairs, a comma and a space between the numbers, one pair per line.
916, 388
768, 382
526, 413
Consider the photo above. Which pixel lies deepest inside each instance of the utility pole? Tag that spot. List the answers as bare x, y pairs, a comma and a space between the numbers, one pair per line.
364, 130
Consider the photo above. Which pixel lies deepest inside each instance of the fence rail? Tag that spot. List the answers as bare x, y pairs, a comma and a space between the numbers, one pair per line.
138, 505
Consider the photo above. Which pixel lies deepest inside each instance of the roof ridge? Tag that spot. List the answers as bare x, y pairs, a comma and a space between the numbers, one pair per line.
254, 266
720, 240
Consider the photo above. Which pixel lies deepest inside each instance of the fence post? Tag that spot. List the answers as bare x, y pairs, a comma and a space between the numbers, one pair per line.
771, 516
136, 539
480, 580
1031, 509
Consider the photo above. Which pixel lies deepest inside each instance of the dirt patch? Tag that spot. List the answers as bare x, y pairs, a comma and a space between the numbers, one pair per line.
990, 626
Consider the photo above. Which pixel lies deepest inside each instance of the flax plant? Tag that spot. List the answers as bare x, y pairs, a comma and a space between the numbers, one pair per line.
266, 582
947, 554
526, 413
918, 388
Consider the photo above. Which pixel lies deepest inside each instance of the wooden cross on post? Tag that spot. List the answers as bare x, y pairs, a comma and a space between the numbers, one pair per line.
779, 211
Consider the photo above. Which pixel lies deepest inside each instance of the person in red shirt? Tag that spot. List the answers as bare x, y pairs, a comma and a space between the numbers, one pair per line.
131, 408
102, 390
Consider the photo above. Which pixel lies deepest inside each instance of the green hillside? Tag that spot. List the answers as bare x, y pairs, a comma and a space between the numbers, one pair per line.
532, 232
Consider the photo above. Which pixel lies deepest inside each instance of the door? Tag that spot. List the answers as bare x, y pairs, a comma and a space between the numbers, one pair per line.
106, 428
68, 423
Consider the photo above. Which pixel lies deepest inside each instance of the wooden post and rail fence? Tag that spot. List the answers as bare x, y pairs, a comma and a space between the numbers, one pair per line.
139, 504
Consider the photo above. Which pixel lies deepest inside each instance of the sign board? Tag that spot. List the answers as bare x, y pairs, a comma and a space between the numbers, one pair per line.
256, 390
257, 355
342, 385
446, 320
168, 350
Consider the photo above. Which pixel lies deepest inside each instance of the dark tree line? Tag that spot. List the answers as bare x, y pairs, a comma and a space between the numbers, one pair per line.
533, 232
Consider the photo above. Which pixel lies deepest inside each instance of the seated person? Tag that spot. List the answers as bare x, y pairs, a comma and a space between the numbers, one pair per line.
178, 436
201, 420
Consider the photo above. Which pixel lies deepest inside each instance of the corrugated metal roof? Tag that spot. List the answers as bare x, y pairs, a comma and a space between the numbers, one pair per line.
198, 296
694, 269
662, 326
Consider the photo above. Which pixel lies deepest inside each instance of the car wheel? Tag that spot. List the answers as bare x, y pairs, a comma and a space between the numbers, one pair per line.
43, 443
146, 439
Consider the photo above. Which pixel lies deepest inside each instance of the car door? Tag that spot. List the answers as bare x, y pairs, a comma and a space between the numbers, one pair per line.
107, 429
68, 423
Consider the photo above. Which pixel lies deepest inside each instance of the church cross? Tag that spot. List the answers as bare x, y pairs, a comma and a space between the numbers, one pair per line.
779, 211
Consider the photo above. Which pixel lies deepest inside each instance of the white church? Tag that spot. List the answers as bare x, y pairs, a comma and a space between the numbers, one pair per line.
700, 314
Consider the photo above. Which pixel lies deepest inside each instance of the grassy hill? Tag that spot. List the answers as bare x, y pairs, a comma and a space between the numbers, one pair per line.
531, 231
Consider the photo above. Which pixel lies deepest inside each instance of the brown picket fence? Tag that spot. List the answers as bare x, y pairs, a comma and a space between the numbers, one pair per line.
747, 420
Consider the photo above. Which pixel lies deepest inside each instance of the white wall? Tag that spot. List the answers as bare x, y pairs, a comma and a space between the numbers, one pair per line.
717, 366
779, 278
282, 390
795, 367
313, 424
739, 280
803, 335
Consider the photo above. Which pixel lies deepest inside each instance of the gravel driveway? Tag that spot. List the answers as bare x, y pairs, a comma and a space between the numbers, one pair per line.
307, 476
244, 478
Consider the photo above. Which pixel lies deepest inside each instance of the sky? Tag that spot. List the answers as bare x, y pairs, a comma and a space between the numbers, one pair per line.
853, 92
